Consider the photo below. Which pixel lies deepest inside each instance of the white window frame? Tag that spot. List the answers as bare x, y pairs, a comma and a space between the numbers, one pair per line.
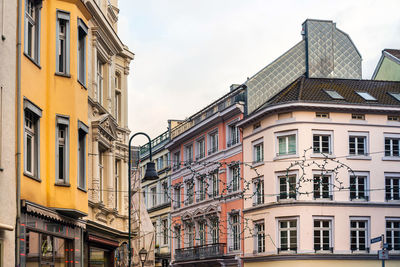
259, 242
63, 16
286, 134
200, 148
367, 234
214, 177
62, 121
390, 239
83, 131
392, 191
189, 196
321, 229
81, 51
202, 233
100, 66
177, 160
36, 114
280, 175
214, 230
201, 186
330, 186
391, 136
366, 185
365, 136
213, 142
188, 158
153, 193
231, 241
288, 219
164, 231
178, 237
230, 178
258, 155
177, 197
258, 197
322, 133
34, 55
232, 133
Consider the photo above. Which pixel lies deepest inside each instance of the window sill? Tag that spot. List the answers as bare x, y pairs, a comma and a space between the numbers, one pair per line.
32, 177
62, 184
353, 121
82, 189
286, 156
359, 157
256, 164
33, 61
391, 158
321, 155
82, 84
62, 74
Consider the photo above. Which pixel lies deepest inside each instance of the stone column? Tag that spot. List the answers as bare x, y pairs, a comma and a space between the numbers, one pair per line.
109, 178
124, 187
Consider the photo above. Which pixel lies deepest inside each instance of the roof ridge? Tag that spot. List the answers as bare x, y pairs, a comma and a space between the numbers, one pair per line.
345, 79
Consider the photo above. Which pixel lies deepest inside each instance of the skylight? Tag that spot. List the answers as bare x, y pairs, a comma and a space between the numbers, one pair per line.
366, 96
395, 95
333, 94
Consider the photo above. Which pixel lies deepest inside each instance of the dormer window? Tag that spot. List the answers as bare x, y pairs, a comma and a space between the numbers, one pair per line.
366, 96
395, 95
333, 94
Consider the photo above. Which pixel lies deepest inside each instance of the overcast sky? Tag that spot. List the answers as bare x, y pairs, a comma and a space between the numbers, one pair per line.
188, 52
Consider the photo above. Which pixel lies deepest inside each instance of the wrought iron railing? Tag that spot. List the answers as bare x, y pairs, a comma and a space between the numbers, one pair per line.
200, 252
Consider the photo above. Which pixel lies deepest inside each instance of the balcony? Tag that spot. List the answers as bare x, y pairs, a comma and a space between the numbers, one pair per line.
200, 252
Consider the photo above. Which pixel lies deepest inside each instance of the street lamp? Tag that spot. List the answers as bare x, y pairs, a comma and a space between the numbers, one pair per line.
150, 174
143, 255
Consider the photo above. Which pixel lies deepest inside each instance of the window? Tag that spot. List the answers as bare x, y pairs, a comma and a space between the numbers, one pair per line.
235, 232
189, 192
288, 235
164, 224
160, 163
322, 115
287, 187
31, 139
258, 152
393, 118
322, 235
392, 143
178, 237
177, 161
256, 126
153, 192
200, 149
164, 186
366, 96
234, 173
32, 29
202, 233
82, 132
358, 235
333, 94
202, 189
62, 43
322, 186
177, 197
213, 142
117, 105
286, 144
358, 186
100, 71
215, 183
393, 234
358, 144
322, 142
392, 186
116, 182
189, 154
190, 234
215, 230
82, 33
101, 172
258, 191
62, 150
358, 116
233, 135
395, 95
260, 234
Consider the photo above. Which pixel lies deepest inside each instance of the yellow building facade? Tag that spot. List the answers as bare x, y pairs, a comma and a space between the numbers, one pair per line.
53, 132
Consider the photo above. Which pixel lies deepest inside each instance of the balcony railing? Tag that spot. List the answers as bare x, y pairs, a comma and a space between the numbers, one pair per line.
200, 252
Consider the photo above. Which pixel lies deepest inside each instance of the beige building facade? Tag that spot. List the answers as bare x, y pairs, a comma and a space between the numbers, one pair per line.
108, 67
324, 174
8, 21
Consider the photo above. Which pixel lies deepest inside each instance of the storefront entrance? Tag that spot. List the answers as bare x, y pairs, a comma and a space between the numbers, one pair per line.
99, 257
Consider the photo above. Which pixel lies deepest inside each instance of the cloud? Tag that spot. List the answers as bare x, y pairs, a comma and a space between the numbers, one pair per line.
189, 52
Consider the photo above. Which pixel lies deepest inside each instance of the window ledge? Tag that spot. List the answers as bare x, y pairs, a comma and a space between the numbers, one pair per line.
286, 156
320, 155
360, 157
83, 85
32, 177
62, 184
391, 158
82, 189
33, 61
62, 74
358, 121
256, 164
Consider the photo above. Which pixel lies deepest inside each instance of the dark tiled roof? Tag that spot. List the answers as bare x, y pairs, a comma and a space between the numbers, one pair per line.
393, 52
313, 90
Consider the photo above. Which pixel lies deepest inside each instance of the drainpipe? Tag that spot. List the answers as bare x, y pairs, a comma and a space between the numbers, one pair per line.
18, 155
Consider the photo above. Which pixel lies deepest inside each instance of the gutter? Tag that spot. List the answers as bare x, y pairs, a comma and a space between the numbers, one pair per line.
18, 155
